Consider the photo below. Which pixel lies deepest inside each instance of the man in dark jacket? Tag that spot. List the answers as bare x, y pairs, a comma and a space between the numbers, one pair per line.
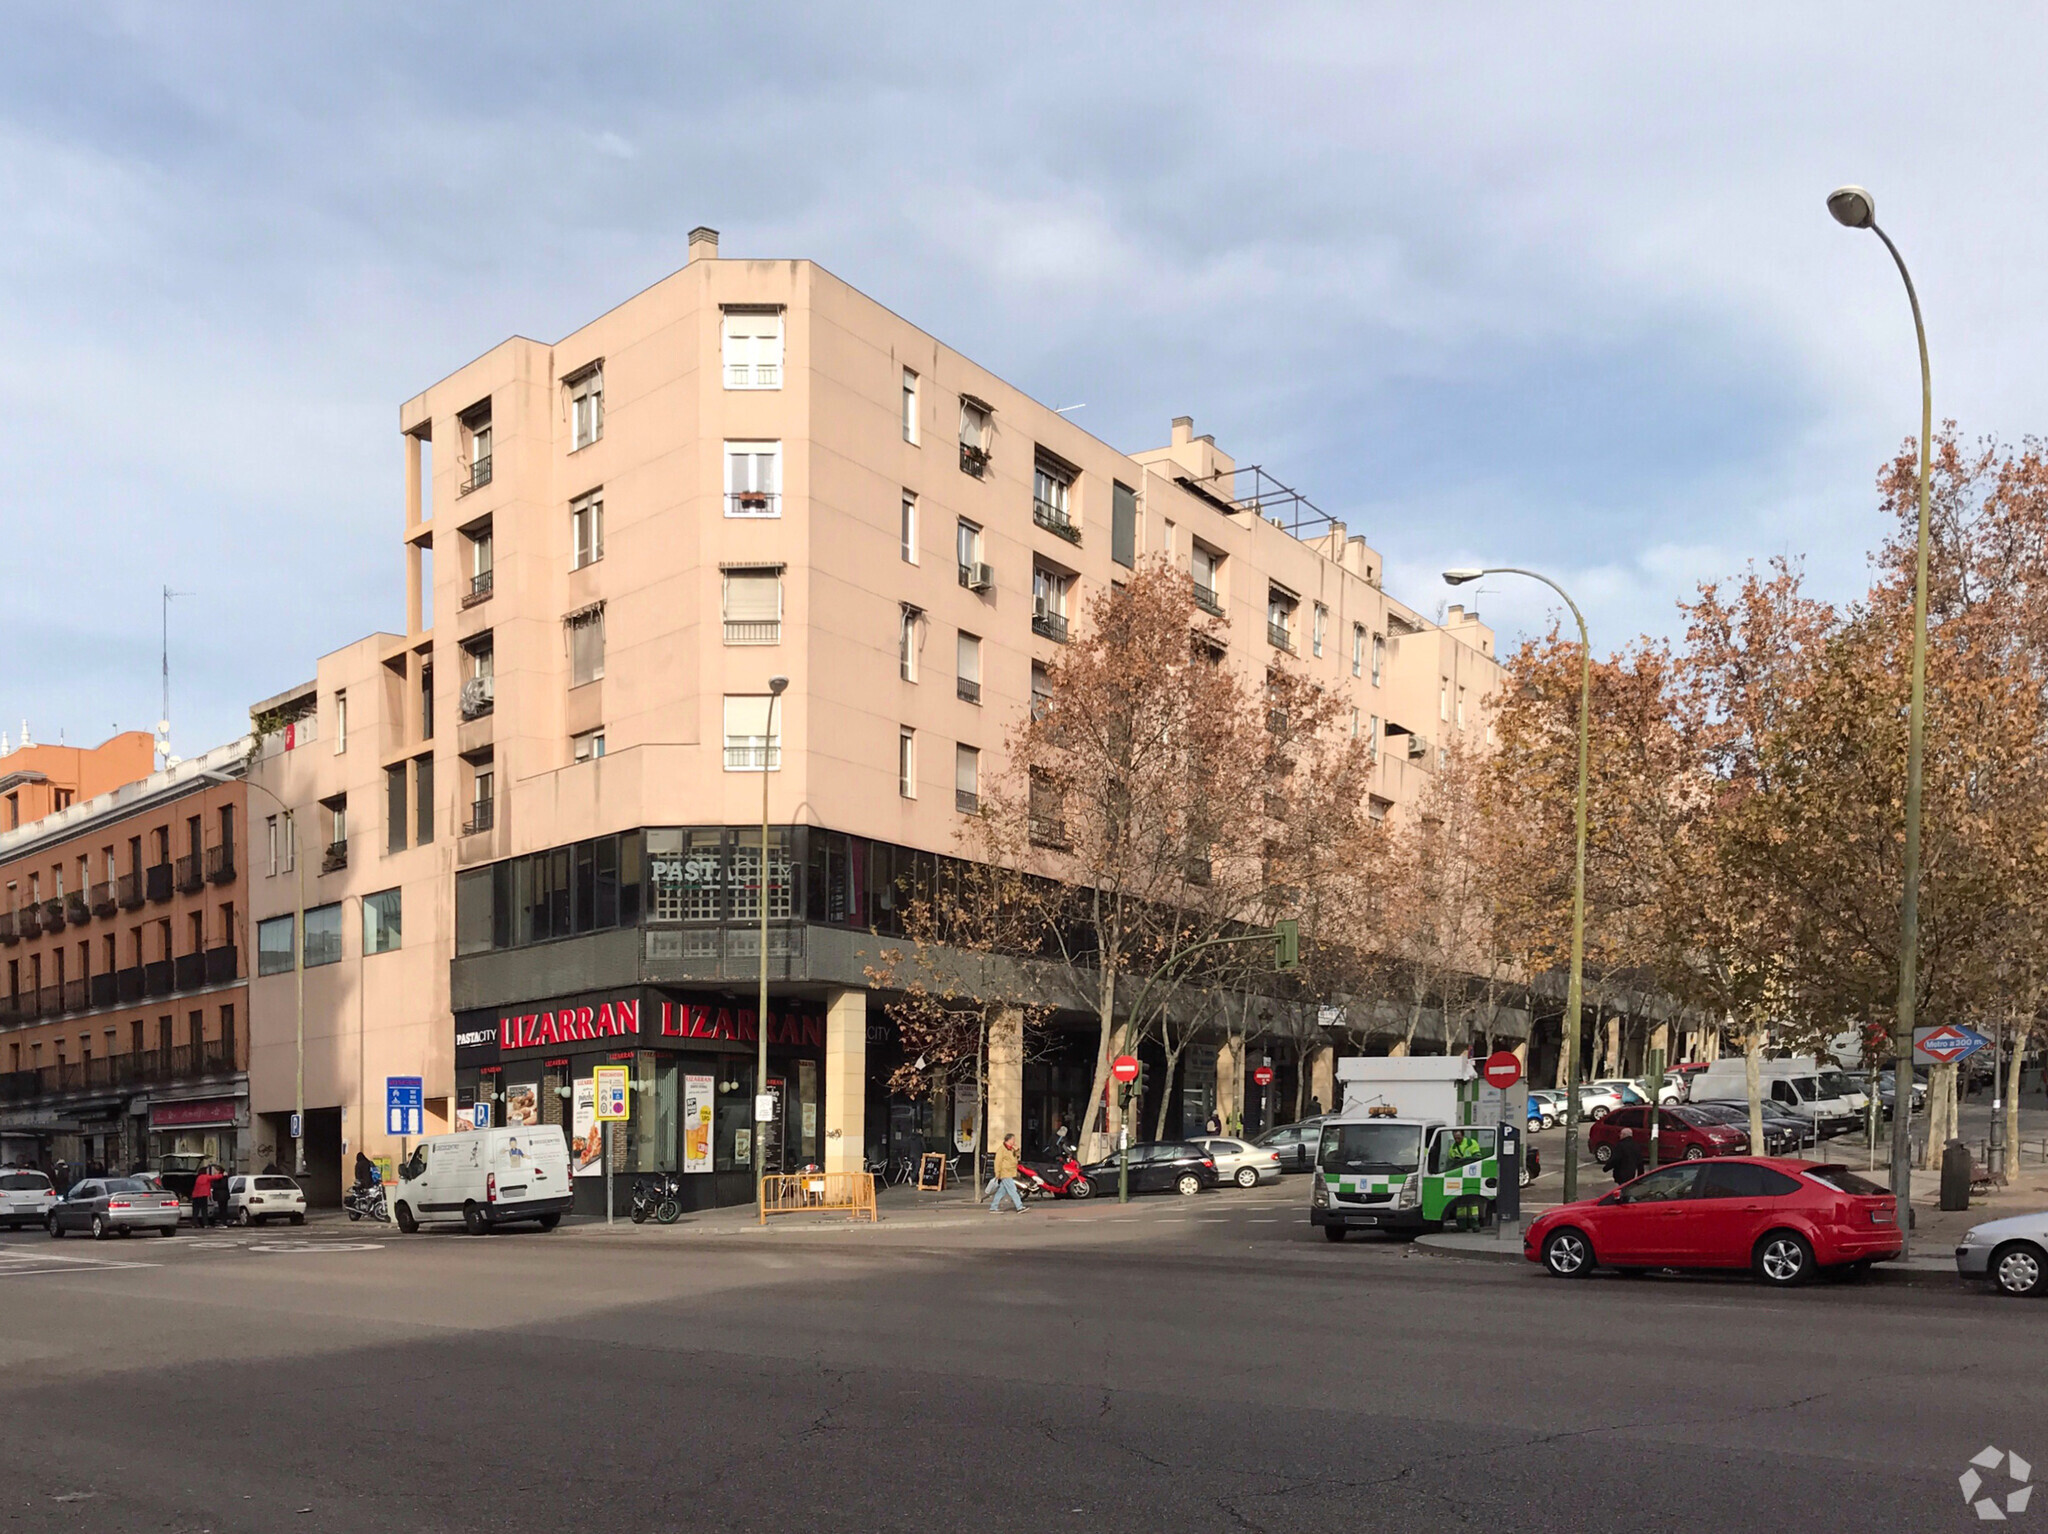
1628, 1158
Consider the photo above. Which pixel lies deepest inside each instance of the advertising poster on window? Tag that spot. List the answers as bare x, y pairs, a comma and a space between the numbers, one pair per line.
697, 1123
966, 1116
522, 1104
586, 1144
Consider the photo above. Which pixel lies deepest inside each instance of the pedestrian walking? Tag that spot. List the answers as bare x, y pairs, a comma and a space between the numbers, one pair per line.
220, 1196
1214, 1126
1628, 1158
202, 1196
1006, 1177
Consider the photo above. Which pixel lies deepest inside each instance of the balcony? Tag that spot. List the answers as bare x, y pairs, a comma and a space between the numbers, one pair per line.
104, 902
1049, 625
479, 697
966, 691
191, 873
53, 915
220, 863
76, 909
1054, 519
753, 631
479, 589
29, 919
188, 971
106, 991
335, 858
8, 933
128, 984
128, 891
752, 758
1048, 831
967, 801
157, 882
753, 503
149, 1067
1279, 637
973, 460
482, 816
222, 965
1207, 600
479, 476
50, 1000
160, 978
76, 996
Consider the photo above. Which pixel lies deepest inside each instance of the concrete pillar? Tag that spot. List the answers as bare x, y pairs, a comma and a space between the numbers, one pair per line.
1521, 1053
1397, 1049
846, 1080
1006, 1076
1230, 1080
1323, 1078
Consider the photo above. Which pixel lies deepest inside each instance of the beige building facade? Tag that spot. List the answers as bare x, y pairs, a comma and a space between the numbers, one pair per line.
612, 543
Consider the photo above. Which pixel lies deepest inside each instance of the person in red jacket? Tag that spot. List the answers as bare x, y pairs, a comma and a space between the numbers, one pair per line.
202, 1196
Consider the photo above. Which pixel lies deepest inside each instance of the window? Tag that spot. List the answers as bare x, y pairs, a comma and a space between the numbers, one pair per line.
480, 563
1166, 536
1051, 485
1443, 699
291, 842
1372, 736
753, 605
270, 833
476, 438
1049, 602
340, 721
1376, 808
906, 762
1123, 524
1358, 649
906, 643
586, 529
423, 797
749, 747
968, 668
966, 779
586, 645
394, 808
1280, 619
907, 539
1379, 658
967, 546
974, 419
274, 946
380, 922
586, 747
1321, 622
1461, 708
482, 805
586, 406
1671, 1184
753, 479
1041, 691
323, 935
909, 407
753, 348
1207, 567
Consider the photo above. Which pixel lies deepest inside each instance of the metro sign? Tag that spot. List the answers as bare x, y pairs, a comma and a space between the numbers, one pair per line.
1947, 1044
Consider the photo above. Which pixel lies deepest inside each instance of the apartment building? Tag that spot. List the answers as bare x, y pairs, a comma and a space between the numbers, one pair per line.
612, 544
40, 780
124, 1018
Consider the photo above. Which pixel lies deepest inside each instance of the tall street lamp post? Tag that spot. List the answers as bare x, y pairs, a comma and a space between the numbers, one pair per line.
1854, 208
768, 755
298, 954
1575, 986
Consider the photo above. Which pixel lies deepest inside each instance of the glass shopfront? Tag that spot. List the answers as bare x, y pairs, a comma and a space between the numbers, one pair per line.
692, 1062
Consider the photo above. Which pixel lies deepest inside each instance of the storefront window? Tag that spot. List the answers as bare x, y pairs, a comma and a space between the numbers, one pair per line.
651, 1132
734, 1143
746, 876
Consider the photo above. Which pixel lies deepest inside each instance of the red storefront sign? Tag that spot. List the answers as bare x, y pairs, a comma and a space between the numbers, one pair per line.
796, 1030
570, 1025
205, 1113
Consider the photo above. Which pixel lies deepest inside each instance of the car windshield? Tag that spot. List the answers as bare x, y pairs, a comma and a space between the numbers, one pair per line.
128, 1185
1842, 1180
1370, 1147
1808, 1087
1839, 1083
1692, 1116
24, 1182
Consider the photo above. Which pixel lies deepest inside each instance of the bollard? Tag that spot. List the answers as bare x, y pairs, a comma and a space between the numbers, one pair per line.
1955, 1175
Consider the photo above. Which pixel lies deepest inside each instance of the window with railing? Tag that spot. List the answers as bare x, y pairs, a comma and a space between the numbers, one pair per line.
475, 424
975, 417
966, 779
586, 529
753, 348
479, 684
1206, 566
753, 479
967, 676
753, 606
1049, 591
1051, 488
1280, 620
586, 406
749, 744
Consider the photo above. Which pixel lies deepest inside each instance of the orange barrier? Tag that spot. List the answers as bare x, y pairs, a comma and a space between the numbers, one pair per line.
818, 1193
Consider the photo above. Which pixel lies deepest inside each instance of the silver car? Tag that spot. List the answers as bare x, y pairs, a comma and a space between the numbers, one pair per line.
1240, 1162
2012, 1253
106, 1205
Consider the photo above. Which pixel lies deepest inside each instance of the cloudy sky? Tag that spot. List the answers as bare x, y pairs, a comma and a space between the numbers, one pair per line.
1554, 288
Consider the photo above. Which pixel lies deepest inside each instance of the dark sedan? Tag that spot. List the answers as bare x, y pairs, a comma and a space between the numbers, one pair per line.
1157, 1166
1784, 1133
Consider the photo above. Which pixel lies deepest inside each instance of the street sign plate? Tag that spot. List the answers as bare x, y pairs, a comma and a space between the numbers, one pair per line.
1263, 1076
405, 1106
1503, 1070
295, 1127
480, 1115
1946, 1044
1124, 1068
611, 1093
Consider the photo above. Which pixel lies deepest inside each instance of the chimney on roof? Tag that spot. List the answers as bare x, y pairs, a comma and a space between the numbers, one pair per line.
703, 244
1183, 430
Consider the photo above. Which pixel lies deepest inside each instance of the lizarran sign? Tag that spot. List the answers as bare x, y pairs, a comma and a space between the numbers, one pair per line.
643, 1023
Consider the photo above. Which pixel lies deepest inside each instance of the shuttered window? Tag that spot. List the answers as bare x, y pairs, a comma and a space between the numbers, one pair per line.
753, 607
753, 349
1123, 525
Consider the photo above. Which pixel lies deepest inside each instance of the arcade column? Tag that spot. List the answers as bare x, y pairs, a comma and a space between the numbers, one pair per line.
1006, 1077
846, 1080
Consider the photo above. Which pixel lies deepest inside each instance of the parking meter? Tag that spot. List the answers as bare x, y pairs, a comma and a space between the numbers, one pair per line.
1507, 1199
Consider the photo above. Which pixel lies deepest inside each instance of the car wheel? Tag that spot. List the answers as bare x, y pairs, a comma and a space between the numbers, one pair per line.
99, 1227
406, 1223
1549, 1121
242, 1215
1600, 1113
1187, 1183
1568, 1253
1694, 1153
1525, 1176
550, 1221
473, 1220
2019, 1269
1334, 1233
298, 1219
1247, 1177
1603, 1154
1083, 1188
56, 1230
168, 1230
1783, 1258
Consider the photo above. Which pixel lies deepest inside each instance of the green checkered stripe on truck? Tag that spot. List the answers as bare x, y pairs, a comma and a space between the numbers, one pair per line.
1467, 1182
1362, 1185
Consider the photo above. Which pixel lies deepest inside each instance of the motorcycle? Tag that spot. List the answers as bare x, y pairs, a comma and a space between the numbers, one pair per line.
662, 1202
1064, 1181
366, 1203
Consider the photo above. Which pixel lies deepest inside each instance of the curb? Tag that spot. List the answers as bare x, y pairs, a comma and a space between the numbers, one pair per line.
1920, 1271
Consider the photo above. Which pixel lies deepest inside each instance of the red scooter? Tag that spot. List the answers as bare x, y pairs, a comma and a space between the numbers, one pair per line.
1065, 1182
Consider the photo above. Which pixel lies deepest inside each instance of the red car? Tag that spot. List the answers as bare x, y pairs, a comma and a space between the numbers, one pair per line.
1682, 1135
1781, 1219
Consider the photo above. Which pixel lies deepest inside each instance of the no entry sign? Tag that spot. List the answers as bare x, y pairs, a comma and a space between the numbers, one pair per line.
1503, 1070
1124, 1068
1263, 1076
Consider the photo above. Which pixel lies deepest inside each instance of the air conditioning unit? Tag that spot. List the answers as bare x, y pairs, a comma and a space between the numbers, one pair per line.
980, 577
1417, 746
1040, 608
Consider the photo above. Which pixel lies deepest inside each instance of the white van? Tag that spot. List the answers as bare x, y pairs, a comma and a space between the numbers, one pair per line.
485, 1178
1798, 1085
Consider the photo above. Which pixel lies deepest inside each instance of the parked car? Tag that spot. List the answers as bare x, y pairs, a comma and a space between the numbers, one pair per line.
1636, 1092
1157, 1166
25, 1198
1682, 1135
1783, 1133
2012, 1253
1783, 1220
1241, 1162
485, 1178
259, 1200
1551, 1107
1597, 1102
1296, 1143
106, 1205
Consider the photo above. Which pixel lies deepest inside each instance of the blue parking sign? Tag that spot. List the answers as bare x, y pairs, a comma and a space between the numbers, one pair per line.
481, 1114
405, 1106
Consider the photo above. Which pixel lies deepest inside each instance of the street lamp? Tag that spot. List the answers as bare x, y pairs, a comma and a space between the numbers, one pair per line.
776, 684
298, 952
1854, 208
1574, 987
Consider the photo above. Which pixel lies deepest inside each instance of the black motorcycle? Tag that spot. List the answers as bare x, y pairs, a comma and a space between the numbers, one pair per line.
659, 1199
366, 1203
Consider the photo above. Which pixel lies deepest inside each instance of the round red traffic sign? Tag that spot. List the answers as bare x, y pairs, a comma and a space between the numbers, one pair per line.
1263, 1076
1503, 1070
1124, 1068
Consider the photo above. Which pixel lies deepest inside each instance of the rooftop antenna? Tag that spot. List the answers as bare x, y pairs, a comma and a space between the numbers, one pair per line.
163, 723
1064, 409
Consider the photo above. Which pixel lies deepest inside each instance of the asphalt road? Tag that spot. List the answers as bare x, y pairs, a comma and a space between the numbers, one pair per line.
1180, 1364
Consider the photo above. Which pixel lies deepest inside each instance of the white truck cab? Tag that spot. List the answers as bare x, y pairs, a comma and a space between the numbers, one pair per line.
484, 1178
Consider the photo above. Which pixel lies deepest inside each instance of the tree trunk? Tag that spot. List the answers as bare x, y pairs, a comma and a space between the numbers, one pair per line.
1098, 1127
2020, 1030
1752, 1070
1166, 1091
